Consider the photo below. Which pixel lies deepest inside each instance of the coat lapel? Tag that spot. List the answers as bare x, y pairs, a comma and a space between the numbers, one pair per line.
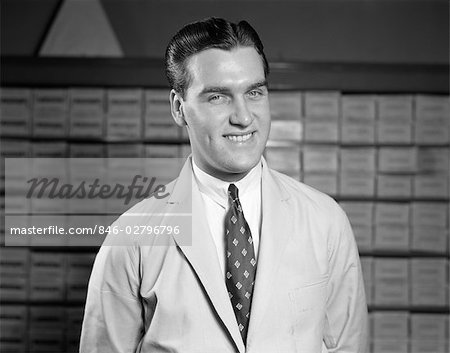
202, 254
275, 232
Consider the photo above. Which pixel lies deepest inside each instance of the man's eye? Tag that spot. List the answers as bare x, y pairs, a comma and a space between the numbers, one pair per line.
254, 94
216, 99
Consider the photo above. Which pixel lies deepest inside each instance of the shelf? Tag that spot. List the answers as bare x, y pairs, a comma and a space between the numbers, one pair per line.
399, 253
412, 309
147, 72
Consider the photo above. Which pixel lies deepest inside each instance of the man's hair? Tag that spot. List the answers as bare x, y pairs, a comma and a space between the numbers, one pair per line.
202, 35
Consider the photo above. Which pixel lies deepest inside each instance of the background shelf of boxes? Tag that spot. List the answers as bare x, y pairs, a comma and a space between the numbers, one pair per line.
384, 156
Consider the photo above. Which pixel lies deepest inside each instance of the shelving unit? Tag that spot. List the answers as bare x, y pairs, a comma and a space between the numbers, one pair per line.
344, 78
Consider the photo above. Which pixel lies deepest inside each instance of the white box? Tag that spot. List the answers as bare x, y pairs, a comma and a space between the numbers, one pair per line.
430, 214
431, 186
432, 106
14, 287
162, 151
364, 237
358, 119
284, 159
391, 237
429, 295
159, 124
87, 112
357, 184
47, 263
321, 129
429, 272
390, 345
124, 114
322, 104
125, 150
394, 186
46, 287
390, 325
46, 339
14, 261
429, 239
358, 159
429, 326
428, 346
359, 213
50, 113
285, 105
432, 132
397, 108
433, 160
397, 160
87, 150
15, 112
286, 130
392, 132
320, 159
325, 182
392, 213
49, 149
391, 268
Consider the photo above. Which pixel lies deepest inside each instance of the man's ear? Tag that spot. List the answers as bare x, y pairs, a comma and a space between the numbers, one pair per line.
176, 108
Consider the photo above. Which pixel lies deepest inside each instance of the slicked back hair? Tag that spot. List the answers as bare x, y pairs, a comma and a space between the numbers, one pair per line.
202, 35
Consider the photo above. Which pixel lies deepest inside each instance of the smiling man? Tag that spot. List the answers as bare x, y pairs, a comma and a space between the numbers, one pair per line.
273, 265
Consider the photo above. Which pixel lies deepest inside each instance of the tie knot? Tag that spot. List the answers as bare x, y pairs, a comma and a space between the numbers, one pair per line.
233, 192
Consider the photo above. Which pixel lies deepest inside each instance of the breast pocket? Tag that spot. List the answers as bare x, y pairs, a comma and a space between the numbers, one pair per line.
308, 303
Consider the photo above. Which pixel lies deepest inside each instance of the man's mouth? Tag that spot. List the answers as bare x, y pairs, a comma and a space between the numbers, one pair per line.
239, 138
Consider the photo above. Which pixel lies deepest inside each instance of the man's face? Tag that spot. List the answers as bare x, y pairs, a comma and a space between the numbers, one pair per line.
226, 109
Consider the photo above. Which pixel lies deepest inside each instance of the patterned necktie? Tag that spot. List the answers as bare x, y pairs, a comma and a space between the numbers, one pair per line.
241, 262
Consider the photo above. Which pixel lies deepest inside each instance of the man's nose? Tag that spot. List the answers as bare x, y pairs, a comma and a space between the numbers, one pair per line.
241, 114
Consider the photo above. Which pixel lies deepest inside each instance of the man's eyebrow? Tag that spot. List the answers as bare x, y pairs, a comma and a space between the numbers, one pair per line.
219, 89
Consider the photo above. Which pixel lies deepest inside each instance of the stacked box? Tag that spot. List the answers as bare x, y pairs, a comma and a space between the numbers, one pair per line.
286, 112
391, 282
429, 282
395, 125
320, 166
433, 186
14, 267
322, 116
13, 328
159, 124
49, 149
432, 119
396, 168
15, 112
285, 159
361, 218
86, 112
46, 329
74, 320
429, 333
79, 268
12, 149
124, 114
357, 174
124, 165
367, 271
392, 230
47, 276
358, 119
429, 227
86, 150
50, 113
390, 332
162, 151
185, 151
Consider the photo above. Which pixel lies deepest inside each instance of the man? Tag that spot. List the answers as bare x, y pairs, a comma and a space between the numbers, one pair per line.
273, 265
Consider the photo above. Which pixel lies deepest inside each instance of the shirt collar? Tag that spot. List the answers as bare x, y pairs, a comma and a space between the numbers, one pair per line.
217, 189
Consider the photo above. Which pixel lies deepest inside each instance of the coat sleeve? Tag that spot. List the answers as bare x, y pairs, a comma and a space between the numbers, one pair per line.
113, 313
346, 324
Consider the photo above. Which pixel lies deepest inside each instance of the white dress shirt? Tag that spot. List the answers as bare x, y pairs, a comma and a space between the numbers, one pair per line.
215, 199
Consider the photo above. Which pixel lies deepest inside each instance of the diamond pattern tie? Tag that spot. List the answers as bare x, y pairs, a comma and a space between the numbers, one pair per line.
241, 262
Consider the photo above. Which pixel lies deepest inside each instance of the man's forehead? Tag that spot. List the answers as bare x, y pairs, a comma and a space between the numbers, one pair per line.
238, 65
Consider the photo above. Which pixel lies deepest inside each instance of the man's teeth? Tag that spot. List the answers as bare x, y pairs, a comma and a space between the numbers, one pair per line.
240, 138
